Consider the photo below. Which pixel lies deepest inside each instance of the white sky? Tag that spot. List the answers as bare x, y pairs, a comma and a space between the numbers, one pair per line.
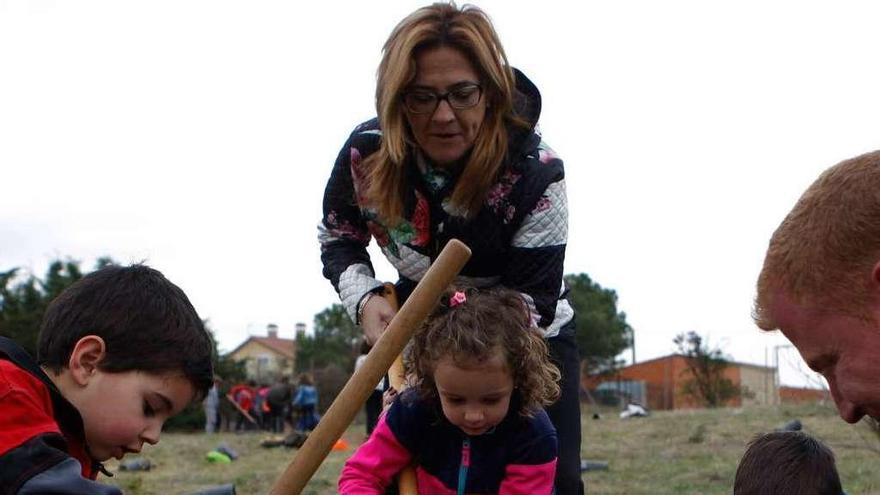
199, 135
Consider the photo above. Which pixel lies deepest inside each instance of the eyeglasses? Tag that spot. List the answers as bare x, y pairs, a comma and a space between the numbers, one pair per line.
423, 101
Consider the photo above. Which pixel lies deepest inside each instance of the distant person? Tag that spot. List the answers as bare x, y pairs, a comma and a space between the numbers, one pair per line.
820, 283
261, 407
228, 411
373, 406
454, 152
787, 463
279, 403
306, 403
211, 406
473, 421
119, 352
243, 395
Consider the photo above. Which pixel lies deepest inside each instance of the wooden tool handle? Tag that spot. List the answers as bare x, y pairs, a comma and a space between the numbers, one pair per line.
396, 374
407, 482
352, 397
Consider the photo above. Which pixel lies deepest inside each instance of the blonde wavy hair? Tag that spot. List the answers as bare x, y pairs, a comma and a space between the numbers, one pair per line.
469, 30
491, 320
824, 252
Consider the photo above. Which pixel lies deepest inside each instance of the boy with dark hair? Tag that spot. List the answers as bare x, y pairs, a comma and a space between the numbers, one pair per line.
787, 462
119, 352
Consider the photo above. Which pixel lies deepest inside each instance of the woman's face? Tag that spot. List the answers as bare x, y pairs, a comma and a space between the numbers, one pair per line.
446, 134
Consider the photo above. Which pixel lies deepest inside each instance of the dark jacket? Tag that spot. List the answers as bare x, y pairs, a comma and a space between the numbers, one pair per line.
517, 457
42, 441
517, 238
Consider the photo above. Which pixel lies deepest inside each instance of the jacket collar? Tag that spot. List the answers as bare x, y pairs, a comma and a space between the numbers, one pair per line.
64, 412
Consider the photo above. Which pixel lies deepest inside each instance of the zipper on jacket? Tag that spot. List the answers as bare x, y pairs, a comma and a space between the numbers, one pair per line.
465, 463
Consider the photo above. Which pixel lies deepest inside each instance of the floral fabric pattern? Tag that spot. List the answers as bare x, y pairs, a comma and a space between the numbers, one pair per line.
497, 198
543, 204
435, 180
343, 229
415, 232
360, 180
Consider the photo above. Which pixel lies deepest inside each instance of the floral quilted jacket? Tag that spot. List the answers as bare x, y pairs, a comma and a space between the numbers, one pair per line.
517, 238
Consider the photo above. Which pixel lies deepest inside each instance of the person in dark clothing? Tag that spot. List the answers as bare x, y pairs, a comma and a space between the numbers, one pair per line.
454, 153
373, 406
473, 420
279, 403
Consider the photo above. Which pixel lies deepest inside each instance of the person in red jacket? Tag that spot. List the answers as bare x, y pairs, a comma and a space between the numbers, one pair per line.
120, 351
243, 395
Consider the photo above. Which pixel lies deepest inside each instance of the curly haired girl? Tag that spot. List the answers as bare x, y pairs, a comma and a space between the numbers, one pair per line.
473, 421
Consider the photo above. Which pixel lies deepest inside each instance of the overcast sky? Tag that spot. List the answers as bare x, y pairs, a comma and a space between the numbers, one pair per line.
199, 135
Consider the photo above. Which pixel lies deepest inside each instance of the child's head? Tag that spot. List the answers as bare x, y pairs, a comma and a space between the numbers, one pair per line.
787, 462
126, 348
305, 378
477, 351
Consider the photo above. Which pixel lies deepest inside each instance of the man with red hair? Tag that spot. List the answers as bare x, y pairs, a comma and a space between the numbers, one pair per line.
820, 284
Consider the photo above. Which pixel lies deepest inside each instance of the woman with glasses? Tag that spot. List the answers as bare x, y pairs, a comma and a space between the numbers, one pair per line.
454, 153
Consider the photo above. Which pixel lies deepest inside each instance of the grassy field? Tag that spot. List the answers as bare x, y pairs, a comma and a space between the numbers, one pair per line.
667, 453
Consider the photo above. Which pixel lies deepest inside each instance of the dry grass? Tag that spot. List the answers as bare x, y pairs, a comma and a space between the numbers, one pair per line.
180, 466
698, 451
667, 453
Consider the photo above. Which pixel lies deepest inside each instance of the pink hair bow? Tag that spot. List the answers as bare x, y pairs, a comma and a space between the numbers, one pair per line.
457, 298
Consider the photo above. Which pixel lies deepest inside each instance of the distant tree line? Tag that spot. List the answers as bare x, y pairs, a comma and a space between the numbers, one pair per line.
329, 352
601, 330
23, 299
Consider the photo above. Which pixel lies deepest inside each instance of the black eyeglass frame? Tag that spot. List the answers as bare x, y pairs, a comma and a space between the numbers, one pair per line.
438, 97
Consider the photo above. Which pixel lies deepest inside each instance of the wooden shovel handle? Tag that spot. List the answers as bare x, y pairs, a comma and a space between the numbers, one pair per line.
407, 483
362, 383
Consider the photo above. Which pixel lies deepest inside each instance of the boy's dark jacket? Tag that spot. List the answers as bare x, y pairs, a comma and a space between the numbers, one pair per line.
42, 442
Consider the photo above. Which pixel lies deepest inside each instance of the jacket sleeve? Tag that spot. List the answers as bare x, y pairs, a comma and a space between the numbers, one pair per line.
39, 467
537, 254
531, 467
373, 466
343, 232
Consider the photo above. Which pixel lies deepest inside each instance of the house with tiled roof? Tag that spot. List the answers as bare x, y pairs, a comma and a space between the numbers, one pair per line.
267, 358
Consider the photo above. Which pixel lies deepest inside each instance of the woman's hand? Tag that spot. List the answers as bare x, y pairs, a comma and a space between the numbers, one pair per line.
376, 316
388, 397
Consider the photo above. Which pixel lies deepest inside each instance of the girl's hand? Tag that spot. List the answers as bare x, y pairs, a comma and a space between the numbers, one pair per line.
376, 316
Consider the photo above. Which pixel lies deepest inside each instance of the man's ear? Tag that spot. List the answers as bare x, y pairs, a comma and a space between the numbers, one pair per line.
87, 353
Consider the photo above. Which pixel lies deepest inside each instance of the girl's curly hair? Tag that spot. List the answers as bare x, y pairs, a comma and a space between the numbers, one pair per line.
490, 320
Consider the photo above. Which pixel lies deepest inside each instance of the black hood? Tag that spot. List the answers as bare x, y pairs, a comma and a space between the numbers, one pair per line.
527, 99
527, 106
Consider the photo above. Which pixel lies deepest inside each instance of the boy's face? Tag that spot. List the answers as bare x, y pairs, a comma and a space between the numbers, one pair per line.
475, 395
122, 411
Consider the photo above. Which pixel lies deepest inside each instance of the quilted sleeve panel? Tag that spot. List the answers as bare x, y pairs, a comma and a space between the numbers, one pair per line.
343, 233
537, 254
547, 224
